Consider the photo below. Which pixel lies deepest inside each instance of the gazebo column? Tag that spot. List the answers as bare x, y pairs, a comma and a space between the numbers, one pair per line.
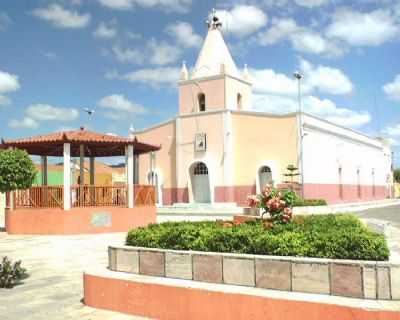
81, 174
129, 176
43, 165
92, 171
92, 182
67, 176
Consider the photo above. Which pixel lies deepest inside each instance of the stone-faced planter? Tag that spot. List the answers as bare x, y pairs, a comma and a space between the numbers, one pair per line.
347, 278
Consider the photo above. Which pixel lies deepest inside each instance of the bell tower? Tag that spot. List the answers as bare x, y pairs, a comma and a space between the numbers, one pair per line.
215, 82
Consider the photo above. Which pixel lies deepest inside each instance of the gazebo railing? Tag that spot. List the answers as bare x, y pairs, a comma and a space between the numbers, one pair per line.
86, 196
98, 196
39, 197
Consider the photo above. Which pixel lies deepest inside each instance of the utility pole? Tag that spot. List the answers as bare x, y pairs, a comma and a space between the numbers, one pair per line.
299, 76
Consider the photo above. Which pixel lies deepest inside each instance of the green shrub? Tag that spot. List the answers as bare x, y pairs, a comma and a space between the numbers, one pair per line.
10, 273
309, 202
329, 236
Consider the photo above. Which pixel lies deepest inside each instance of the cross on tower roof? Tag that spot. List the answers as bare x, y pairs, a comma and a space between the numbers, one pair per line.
214, 23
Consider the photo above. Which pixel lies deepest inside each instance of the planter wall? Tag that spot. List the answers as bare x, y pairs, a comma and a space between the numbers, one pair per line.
348, 278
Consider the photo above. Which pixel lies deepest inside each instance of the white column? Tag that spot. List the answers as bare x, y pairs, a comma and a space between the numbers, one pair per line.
129, 165
67, 176
43, 163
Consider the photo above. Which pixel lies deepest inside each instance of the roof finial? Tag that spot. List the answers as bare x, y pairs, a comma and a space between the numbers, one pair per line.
184, 71
214, 23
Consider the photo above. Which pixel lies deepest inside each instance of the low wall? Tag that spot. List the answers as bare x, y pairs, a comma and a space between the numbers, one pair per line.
347, 278
163, 298
78, 220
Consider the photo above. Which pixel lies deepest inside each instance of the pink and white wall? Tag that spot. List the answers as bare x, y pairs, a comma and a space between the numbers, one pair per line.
341, 165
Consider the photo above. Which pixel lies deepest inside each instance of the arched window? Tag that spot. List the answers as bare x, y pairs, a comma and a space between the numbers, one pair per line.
239, 101
265, 176
202, 102
200, 169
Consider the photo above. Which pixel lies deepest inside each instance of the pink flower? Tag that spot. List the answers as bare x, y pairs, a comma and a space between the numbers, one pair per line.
253, 201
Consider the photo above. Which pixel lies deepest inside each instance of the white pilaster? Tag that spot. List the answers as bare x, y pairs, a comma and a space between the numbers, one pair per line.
228, 152
131, 191
178, 142
67, 176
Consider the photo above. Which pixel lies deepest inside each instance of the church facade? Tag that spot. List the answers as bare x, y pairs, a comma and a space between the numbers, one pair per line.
217, 150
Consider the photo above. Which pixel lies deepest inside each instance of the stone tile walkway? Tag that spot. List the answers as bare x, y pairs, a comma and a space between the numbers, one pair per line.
55, 265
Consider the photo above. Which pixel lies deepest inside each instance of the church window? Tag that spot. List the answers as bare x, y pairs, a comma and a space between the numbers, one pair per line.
202, 102
239, 101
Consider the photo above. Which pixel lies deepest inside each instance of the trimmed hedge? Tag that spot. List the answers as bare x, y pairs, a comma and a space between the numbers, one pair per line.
329, 236
309, 202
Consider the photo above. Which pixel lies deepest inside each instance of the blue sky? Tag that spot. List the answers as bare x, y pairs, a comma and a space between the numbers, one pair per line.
122, 58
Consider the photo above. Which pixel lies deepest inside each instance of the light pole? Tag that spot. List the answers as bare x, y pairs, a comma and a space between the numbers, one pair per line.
298, 76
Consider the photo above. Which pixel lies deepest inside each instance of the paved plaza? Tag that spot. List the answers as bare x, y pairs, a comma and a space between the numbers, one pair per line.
55, 265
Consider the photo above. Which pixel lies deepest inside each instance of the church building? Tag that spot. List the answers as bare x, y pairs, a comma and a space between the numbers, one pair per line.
216, 150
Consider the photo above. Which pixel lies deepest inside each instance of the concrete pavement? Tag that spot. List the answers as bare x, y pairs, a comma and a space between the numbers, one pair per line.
55, 265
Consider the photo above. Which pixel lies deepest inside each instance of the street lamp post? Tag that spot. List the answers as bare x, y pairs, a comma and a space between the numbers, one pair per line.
298, 76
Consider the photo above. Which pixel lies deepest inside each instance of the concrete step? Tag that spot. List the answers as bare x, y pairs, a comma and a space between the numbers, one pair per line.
200, 209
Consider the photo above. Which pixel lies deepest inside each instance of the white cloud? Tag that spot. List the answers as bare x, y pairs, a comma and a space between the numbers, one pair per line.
392, 89
323, 108
128, 55
152, 77
4, 101
277, 93
311, 3
162, 53
184, 34
25, 123
319, 78
301, 38
280, 30
5, 20
242, 20
363, 29
45, 112
62, 18
393, 131
325, 79
106, 30
8, 82
179, 6
117, 102
153, 52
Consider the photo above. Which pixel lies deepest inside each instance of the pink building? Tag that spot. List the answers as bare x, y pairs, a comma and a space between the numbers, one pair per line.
217, 150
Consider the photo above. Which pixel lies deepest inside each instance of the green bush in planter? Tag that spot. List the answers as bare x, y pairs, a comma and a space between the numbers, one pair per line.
328, 236
309, 202
10, 273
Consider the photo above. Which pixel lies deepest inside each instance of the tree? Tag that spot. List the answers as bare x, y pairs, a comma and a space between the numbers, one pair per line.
17, 170
397, 175
292, 173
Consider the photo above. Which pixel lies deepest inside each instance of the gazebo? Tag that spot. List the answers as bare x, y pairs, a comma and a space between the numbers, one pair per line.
80, 143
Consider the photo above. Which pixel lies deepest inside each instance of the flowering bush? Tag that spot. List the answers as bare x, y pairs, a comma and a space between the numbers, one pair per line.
278, 204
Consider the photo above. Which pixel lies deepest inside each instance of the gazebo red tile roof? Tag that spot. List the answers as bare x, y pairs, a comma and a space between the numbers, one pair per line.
95, 144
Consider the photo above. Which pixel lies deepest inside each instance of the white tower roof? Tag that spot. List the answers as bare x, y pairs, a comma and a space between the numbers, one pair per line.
214, 57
